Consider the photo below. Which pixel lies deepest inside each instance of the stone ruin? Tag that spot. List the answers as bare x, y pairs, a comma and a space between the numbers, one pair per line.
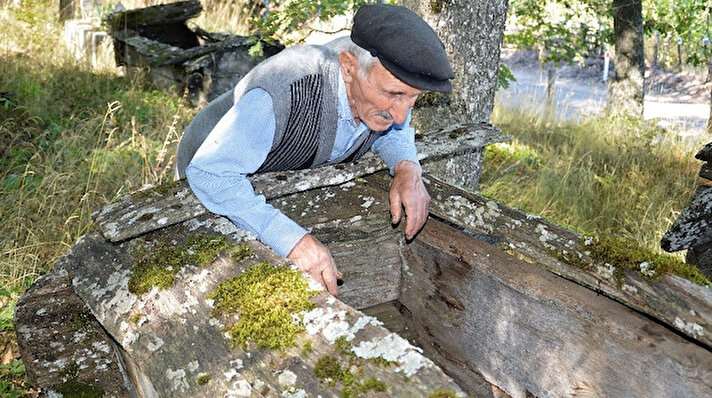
692, 231
177, 56
486, 301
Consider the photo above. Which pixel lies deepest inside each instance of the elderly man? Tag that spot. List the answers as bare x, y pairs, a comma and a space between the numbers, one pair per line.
310, 106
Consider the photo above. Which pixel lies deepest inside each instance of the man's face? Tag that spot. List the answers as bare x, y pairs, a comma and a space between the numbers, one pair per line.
380, 99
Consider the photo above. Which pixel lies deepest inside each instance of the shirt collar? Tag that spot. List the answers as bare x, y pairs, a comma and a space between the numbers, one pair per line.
344, 108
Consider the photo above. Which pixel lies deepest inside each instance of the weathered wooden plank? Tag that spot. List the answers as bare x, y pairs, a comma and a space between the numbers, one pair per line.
63, 347
353, 220
563, 252
162, 14
166, 205
171, 337
694, 225
532, 333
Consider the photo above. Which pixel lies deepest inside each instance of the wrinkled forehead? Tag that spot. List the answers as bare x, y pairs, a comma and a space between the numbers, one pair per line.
379, 76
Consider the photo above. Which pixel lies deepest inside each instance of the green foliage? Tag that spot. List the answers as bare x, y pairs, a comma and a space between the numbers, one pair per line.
157, 264
292, 21
12, 380
267, 299
504, 77
563, 30
687, 19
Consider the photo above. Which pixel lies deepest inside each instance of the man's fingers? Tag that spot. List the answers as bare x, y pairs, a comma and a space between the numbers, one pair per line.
329, 280
395, 202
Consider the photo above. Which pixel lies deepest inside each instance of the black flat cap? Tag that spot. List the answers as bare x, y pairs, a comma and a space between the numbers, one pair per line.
405, 44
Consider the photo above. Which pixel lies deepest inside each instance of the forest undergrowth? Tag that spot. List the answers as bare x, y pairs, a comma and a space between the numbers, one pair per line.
73, 139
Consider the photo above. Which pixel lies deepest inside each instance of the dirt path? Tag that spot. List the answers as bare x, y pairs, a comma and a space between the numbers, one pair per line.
677, 100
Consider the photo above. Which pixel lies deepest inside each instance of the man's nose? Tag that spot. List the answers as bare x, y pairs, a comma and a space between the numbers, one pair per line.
399, 111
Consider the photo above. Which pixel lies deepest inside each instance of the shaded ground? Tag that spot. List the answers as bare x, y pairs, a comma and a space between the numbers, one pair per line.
673, 99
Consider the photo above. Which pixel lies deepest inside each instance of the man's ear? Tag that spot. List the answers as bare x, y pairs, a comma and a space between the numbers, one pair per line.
349, 65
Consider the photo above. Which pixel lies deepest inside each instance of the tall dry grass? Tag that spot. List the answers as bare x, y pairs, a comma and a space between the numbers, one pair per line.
602, 176
72, 139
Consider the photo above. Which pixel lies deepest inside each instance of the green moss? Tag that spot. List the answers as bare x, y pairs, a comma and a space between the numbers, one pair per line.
443, 394
343, 346
436, 6
241, 252
158, 191
624, 255
204, 378
307, 348
75, 389
145, 217
267, 299
135, 318
329, 368
81, 321
158, 265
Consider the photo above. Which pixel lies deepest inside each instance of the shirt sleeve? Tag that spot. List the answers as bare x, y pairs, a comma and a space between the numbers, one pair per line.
396, 144
217, 174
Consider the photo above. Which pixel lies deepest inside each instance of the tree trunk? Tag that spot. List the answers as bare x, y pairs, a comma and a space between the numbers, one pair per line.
472, 33
625, 91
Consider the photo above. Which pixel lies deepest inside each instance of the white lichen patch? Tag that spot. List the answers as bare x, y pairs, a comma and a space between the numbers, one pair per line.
367, 201
347, 185
606, 270
101, 346
587, 241
629, 289
79, 336
294, 392
162, 221
691, 328
394, 348
57, 346
646, 269
177, 379
200, 280
287, 378
112, 295
155, 345
544, 234
41, 311
240, 388
355, 218
193, 366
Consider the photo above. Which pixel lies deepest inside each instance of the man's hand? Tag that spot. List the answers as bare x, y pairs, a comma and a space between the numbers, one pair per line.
408, 191
313, 258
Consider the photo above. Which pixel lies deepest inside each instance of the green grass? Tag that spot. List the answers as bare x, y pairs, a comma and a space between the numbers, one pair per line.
607, 177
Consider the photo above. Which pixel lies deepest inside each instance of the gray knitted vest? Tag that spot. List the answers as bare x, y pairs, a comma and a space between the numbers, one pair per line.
302, 82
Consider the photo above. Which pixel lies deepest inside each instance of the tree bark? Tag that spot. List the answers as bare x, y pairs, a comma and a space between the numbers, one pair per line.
472, 33
625, 91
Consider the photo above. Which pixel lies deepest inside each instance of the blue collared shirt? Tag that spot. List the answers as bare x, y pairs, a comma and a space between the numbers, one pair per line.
239, 144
